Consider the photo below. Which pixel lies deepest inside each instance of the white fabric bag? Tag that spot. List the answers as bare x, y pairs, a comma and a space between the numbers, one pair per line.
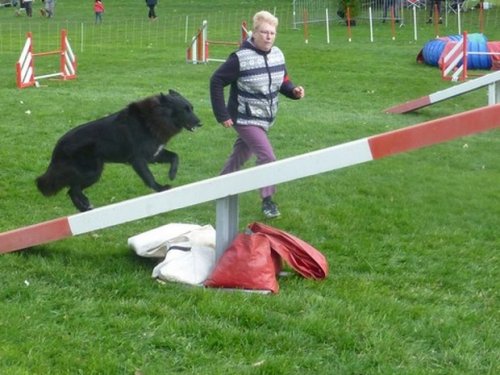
154, 243
190, 257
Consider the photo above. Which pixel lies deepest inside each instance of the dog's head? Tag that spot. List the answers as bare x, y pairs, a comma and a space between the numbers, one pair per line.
182, 112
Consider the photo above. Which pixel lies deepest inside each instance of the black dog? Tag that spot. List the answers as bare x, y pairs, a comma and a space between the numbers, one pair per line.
135, 135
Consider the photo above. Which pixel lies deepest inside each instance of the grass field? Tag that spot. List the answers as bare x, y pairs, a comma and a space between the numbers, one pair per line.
412, 240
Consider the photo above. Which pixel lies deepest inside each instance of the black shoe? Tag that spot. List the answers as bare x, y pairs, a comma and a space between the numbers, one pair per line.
269, 208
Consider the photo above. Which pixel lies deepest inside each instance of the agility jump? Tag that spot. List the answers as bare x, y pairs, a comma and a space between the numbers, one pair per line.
25, 66
225, 189
492, 80
455, 61
198, 51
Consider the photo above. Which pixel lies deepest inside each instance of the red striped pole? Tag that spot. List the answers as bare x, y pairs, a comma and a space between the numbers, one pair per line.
349, 33
306, 26
36, 234
435, 131
436, 20
244, 32
393, 23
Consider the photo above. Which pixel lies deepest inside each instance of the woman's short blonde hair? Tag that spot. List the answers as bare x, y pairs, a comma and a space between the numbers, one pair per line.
264, 17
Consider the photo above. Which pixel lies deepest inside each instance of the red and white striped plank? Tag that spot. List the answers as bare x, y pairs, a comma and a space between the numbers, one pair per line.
313, 163
36, 234
448, 93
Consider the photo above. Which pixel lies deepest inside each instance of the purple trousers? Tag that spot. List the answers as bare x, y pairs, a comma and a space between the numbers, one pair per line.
252, 140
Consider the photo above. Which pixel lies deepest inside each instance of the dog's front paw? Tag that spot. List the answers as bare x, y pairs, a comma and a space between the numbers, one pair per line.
165, 187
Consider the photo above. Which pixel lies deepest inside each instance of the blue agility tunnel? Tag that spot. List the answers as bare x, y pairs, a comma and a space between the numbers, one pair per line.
433, 49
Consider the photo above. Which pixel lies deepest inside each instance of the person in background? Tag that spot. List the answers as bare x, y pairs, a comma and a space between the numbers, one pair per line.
48, 9
257, 74
98, 10
151, 5
391, 8
435, 4
28, 7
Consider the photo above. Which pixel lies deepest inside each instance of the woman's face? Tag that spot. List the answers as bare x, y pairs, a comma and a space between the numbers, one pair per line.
264, 37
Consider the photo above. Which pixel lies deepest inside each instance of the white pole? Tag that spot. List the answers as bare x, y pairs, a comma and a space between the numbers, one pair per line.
459, 10
204, 38
414, 22
186, 29
371, 23
327, 27
81, 39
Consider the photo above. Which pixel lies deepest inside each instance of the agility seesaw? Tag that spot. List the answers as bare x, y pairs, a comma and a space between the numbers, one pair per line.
225, 189
492, 80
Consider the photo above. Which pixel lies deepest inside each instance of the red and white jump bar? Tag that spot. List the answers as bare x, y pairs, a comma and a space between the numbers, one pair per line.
313, 163
490, 79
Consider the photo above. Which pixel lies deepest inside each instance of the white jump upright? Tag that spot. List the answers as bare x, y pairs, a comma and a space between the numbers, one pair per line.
492, 80
25, 66
198, 51
226, 188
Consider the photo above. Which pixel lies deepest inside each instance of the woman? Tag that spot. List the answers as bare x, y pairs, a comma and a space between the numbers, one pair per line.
256, 73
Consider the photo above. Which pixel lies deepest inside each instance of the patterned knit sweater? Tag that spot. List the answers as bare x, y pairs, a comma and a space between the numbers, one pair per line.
256, 78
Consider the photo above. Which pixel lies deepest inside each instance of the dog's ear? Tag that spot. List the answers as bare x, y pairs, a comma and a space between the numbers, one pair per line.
163, 98
173, 92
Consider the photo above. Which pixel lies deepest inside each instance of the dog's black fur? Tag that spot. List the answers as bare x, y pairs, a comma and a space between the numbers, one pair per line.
135, 135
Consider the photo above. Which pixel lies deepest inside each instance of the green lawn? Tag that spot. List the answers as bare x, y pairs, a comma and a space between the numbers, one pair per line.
412, 240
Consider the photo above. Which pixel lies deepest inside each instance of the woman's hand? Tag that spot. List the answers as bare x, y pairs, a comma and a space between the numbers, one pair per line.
299, 92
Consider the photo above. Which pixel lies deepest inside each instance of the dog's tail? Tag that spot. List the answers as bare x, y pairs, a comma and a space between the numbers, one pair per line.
48, 183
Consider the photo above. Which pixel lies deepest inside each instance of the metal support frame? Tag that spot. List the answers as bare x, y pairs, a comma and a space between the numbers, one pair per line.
494, 93
227, 223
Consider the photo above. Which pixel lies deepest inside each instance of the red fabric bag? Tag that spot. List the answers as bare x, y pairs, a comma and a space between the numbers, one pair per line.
252, 261
248, 263
298, 254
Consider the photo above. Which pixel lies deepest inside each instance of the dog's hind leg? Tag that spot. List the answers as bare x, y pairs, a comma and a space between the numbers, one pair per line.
79, 199
86, 172
141, 168
166, 156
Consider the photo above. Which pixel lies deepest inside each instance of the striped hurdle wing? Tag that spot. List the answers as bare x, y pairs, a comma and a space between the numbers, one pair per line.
25, 66
25, 75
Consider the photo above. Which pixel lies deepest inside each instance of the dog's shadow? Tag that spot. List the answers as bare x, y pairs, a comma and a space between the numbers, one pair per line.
128, 258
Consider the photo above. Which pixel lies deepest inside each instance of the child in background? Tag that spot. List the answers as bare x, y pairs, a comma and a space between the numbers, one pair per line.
99, 10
